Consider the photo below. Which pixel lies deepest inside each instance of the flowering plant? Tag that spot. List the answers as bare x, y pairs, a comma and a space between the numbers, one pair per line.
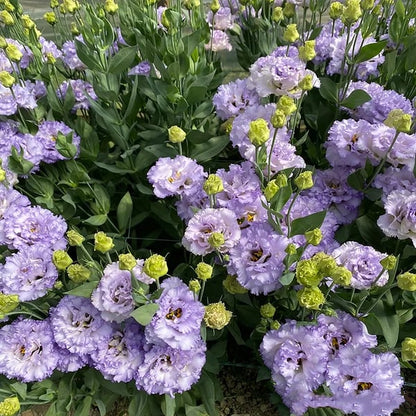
159, 223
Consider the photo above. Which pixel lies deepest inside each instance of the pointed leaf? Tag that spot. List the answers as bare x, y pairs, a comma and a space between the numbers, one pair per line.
144, 314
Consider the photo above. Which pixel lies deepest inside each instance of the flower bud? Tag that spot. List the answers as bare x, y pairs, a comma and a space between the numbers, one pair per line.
6, 18
6, 79
176, 134
74, 29
8, 6
54, 4
3, 42
281, 180
407, 281
267, 310
367, 4
306, 84
289, 10
74, 238
213, 185
307, 273
304, 180
286, 104
102, 242
194, 286
409, 349
127, 261
110, 6
291, 249
58, 285
307, 52
389, 262
271, 190
191, 4
335, 10
2, 173
399, 120
277, 15
258, 132
71, 5
313, 237
310, 297
275, 325
291, 33
8, 303
203, 271
78, 273
351, 12
61, 259
215, 6
216, 240
50, 59
13, 53
9, 406
325, 263
278, 119
155, 266
164, 20
216, 316
341, 276
27, 22
50, 17
233, 286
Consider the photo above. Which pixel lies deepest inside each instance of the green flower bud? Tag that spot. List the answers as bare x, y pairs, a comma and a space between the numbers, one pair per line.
325, 263
259, 132
291, 249
307, 52
341, 276
58, 285
377, 10
310, 297
3, 42
389, 262
8, 6
277, 15
399, 120
215, 6
286, 104
50, 58
281, 180
289, 10
102, 242
407, 281
6, 18
271, 190
304, 180
74, 29
278, 119
194, 286
213, 185
8, 303
2, 175
27, 22
275, 325
232, 285
74, 238
71, 5
13, 53
367, 4
78, 273
291, 33
61, 259
191, 4
164, 20
313, 237
127, 261
307, 273
216, 316
306, 84
351, 12
216, 240
54, 4
203, 271
176, 134
6, 79
155, 266
267, 310
110, 6
335, 10
409, 349
9, 406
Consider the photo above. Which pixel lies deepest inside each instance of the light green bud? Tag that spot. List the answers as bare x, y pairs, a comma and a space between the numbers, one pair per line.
216, 239
164, 20
6, 18
232, 285
259, 132
61, 259
304, 180
307, 273
399, 120
213, 185
407, 281
326, 264
278, 119
307, 52
58, 285
191, 4
341, 276
367, 4
8, 303
289, 10
13, 53
275, 325
409, 349
54, 4
194, 286
2, 175
176, 134
277, 15
6, 79
215, 6
155, 266
9, 6
389, 262
286, 104
267, 310
271, 190
9, 406
127, 261
78, 273
203, 271
3, 42
291, 33
281, 180
306, 84
74, 238
310, 297
351, 12
313, 237
27, 22
335, 10
291, 249
110, 6
217, 316
102, 242
71, 5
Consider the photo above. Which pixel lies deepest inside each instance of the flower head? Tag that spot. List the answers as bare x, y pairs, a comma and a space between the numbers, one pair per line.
217, 316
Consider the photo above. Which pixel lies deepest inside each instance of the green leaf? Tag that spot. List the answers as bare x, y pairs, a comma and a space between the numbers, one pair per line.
138, 405
87, 56
124, 210
195, 410
369, 51
122, 60
170, 405
84, 407
355, 99
386, 316
206, 389
400, 9
18, 164
102, 199
369, 230
310, 222
196, 94
85, 290
287, 278
206, 151
329, 90
20, 389
96, 220
144, 314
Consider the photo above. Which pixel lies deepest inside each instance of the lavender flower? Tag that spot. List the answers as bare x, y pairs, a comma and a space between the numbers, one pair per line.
395, 179
82, 90
69, 362
189, 204
222, 20
26, 59
177, 322
143, 68
70, 56
49, 49
219, 41
27, 350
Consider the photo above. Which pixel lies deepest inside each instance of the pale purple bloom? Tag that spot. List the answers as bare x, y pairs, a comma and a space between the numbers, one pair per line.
70, 56
234, 5
28, 273
222, 20
219, 41
49, 48
27, 350
166, 370
206, 222
187, 205
82, 91
69, 362
10, 198
8, 105
394, 179
176, 177
77, 325
325, 38
257, 258
364, 264
27, 57
143, 68
400, 218
177, 322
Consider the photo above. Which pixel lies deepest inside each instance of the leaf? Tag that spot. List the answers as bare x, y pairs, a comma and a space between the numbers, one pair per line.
206, 151
400, 9
310, 222
20, 389
369, 51
329, 90
287, 278
196, 94
84, 407
195, 410
170, 405
96, 219
122, 60
207, 391
87, 56
355, 99
138, 405
388, 320
85, 290
144, 314
124, 211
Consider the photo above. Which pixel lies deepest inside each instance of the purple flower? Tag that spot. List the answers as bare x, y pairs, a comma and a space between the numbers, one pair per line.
82, 90
49, 48
69, 362
257, 258
70, 56
27, 57
222, 20
177, 322
219, 41
205, 225
27, 350
166, 370
176, 177
8, 105
78, 326
364, 264
189, 204
28, 273
143, 68
394, 179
